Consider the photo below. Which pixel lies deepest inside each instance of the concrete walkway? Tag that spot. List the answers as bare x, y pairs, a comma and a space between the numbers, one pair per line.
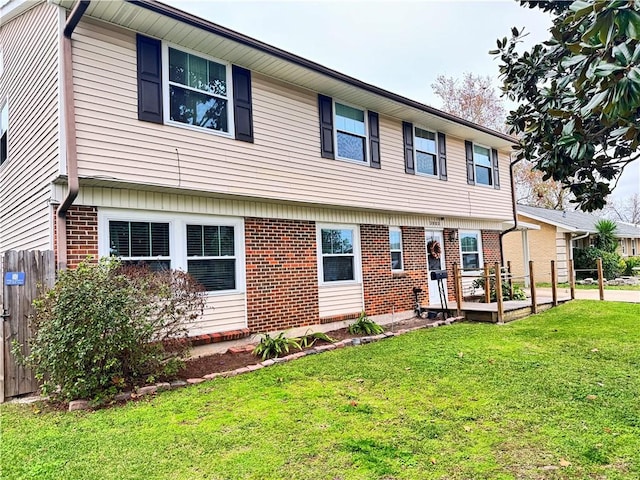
632, 296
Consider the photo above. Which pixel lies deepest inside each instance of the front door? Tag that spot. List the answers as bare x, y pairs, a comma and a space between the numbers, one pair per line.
435, 261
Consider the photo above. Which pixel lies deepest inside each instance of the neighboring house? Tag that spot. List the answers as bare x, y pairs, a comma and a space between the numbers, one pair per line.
559, 233
295, 194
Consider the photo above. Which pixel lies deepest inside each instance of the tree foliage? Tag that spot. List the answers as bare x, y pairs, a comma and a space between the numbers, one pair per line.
473, 98
578, 95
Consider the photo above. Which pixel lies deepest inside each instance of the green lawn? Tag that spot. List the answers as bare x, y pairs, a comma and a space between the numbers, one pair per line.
554, 396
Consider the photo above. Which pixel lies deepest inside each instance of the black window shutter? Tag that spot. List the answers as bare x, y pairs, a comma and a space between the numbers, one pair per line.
149, 79
325, 106
442, 156
407, 136
471, 177
496, 170
374, 140
242, 109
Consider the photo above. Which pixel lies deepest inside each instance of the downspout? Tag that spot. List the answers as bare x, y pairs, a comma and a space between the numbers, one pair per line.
514, 209
70, 132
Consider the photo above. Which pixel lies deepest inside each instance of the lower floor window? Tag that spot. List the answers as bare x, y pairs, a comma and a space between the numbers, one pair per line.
470, 250
209, 248
338, 254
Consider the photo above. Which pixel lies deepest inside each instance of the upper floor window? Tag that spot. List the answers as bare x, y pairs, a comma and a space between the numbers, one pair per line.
348, 133
482, 165
426, 152
351, 132
471, 250
190, 89
198, 91
395, 245
4, 133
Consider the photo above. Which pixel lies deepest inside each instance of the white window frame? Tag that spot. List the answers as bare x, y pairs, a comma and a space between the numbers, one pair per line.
166, 107
634, 247
366, 133
3, 128
399, 231
132, 258
623, 246
212, 257
415, 152
475, 173
178, 237
462, 233
357, 259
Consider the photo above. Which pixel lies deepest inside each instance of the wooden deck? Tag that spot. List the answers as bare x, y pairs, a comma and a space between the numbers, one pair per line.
488, 312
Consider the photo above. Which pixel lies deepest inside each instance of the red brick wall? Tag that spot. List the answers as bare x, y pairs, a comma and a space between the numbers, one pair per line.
82, 235
282, 274
383, 290
491, 246
451, 256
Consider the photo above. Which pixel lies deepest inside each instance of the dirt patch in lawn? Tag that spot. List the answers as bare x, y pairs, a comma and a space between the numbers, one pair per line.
231, 360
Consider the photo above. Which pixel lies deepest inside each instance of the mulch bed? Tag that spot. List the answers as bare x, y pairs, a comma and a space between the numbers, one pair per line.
223, 362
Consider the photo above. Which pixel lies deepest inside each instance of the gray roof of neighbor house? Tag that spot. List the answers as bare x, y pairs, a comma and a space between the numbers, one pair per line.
574, 221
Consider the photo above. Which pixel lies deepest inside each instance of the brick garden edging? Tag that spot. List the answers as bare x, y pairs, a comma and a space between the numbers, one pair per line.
158, 387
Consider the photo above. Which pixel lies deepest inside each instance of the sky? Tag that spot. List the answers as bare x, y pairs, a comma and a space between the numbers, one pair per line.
401, 46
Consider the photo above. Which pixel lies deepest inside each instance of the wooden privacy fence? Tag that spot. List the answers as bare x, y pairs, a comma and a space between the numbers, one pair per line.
25, 275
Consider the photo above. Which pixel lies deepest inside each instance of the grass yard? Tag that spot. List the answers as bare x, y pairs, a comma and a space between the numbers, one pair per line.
554, 396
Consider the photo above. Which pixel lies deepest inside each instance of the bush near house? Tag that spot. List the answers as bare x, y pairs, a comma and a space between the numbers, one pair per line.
632, 263
105, 326
585, 259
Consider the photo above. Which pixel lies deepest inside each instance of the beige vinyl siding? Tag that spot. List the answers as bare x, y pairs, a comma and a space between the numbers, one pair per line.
183, 203
283, 164
562, 255
340, 300
221, 314
30, 48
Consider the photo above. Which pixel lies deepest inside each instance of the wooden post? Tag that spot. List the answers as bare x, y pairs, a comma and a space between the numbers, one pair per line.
510, 280
456, 289
499, 292
532, 281
554, 283
487, 284
600, 278
572, 280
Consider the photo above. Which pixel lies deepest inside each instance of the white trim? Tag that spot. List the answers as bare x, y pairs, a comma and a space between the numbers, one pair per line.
177, 242
480, 256
357, 255
366, 133
166, 107
415, 153
399, 230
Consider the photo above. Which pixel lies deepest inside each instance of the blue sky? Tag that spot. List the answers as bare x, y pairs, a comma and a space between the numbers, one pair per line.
401, 46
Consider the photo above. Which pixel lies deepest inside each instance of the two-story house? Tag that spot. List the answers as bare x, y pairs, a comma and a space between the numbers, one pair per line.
295, 194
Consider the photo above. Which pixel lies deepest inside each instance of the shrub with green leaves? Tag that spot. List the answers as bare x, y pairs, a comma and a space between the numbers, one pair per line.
364, 325
632, 263
518, 292
585, 259
103, 327
273, 347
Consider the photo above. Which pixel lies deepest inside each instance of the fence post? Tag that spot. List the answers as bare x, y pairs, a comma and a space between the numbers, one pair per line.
499, 292
456, 290
532, 280
572, 280
600, 278
510, 280
554, 283
487, 284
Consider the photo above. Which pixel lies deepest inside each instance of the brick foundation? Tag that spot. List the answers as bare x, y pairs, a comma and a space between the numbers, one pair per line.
282, 274
385, 291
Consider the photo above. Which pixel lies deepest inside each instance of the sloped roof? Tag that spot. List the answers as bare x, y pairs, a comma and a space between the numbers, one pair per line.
575, 221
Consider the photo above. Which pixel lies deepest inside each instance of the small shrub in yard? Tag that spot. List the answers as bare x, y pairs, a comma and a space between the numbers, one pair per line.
364, 325
273, 347
105, 326
518, 293
308, 339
